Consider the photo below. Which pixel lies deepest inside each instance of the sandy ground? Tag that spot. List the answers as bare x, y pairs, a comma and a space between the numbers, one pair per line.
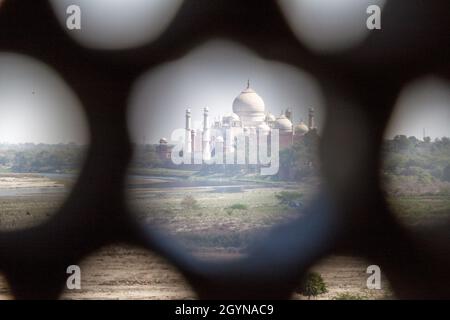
128, 273
19, 212
122, 272
19, 180
347, 275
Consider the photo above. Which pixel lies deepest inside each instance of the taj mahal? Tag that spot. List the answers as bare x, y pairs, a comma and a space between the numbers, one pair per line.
249, 116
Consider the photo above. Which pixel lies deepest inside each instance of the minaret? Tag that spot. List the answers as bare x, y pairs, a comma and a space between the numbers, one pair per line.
288, 113
206, 139
188, 146
193, 141
188, 119
193, 147
311, 119
205, 118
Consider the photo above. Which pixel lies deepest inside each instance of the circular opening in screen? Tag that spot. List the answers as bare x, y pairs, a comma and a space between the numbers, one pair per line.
43, 139
227, 108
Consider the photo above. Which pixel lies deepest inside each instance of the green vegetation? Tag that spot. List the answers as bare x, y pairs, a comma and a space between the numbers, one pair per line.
146, 156
236, 206
412, 166
48, 158
296, 163
301, 160
290, 198
419, 209
417, 178
189, 203
205, 218
312, 285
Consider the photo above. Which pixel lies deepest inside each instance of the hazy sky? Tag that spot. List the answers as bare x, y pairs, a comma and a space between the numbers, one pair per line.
36, 105
213, 75
423, 104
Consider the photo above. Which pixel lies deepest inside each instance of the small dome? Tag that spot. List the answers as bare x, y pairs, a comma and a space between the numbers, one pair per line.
301, 128
264, 127
270, 117
283, 124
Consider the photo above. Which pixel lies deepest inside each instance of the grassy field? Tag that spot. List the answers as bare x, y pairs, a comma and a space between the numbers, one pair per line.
421, 210
217, 219
224, 217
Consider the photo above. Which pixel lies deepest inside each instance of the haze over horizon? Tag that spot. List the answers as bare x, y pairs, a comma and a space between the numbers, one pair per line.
36, 106
422, 104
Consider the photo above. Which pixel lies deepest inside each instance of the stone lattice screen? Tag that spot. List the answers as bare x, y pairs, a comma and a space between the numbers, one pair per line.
350, 215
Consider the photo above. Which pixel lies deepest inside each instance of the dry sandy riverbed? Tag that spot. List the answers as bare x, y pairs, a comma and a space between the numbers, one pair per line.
123, 272
21, 180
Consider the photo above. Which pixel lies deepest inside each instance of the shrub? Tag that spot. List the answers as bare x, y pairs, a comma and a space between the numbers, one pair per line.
189, 202
236, 206
290, 198
312, 285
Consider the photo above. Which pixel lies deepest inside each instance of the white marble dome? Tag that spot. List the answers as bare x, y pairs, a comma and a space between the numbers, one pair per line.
270, 117
249, 106
248, 101
283, 124
301, 128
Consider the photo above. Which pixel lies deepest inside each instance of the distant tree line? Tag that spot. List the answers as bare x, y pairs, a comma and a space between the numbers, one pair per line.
425, 159
146, 156
299, 161
43, 158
